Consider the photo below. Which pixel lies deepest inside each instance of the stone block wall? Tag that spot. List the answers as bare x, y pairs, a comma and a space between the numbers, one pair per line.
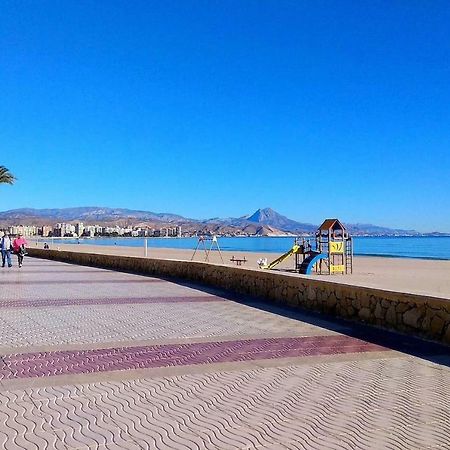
418, 315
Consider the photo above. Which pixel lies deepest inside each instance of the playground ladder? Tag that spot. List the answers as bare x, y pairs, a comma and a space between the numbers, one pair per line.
349, 256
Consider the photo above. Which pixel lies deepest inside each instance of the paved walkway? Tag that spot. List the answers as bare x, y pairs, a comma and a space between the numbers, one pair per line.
100, 359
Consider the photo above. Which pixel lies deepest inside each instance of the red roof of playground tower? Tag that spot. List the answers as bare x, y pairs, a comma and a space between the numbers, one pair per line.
331, 224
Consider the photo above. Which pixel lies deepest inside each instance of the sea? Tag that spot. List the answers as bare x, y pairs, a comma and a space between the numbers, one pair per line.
436, 247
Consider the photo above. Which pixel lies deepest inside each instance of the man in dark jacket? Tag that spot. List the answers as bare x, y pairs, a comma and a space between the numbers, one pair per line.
5, 247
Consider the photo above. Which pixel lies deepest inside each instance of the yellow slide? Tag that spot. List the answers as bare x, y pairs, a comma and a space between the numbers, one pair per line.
291, 252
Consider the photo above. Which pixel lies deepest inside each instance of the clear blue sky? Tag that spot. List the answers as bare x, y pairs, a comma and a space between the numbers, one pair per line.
215, 108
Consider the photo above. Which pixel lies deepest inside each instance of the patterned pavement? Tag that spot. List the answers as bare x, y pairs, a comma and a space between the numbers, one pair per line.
96, 359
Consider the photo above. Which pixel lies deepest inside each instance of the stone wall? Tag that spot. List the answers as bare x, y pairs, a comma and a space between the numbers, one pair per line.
409, 313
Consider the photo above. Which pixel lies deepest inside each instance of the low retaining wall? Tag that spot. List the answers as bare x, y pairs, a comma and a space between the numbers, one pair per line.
408, 313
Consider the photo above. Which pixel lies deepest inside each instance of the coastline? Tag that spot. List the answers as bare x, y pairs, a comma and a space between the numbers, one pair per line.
363, 245
412, 275
380, 255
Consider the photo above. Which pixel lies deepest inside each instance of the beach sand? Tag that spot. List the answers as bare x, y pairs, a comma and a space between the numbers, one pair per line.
427, 277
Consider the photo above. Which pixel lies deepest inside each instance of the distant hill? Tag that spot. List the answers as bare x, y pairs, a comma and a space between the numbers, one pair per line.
367, 228
263, 222
279, 224
88, 214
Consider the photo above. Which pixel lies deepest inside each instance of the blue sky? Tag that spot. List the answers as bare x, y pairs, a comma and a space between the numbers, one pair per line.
215, 108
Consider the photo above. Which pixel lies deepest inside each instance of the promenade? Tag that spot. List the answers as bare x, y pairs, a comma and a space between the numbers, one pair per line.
97, 359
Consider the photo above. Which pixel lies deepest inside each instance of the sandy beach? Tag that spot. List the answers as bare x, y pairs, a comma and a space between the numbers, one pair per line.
428, 277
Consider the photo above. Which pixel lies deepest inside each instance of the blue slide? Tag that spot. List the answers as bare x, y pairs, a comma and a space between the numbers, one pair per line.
308, 263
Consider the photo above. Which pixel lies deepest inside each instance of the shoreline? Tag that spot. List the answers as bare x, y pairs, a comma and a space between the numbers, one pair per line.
410, 275
85, 242
378, 255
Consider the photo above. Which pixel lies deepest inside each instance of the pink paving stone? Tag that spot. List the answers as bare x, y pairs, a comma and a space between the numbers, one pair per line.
28, 365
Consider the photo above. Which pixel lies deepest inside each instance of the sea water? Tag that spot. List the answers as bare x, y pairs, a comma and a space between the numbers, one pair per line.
401, 247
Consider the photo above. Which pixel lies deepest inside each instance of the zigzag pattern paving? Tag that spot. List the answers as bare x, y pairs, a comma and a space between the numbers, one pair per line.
171, 366
42, 303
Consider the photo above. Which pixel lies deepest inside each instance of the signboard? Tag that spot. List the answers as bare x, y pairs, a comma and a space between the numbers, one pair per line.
337, 268
337, 247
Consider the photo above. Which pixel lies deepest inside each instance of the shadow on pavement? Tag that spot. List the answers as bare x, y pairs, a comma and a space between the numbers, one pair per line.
420, 348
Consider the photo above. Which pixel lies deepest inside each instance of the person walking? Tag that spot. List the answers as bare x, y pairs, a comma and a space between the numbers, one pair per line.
19, 248
5, 248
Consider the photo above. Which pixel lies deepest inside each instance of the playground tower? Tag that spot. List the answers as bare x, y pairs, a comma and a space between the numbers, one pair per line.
334, 241
329, 252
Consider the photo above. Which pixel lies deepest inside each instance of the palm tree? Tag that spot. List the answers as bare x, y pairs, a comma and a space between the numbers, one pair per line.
6, 176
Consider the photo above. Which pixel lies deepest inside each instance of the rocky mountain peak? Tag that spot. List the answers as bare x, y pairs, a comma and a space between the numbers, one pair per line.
270, 217
264, 214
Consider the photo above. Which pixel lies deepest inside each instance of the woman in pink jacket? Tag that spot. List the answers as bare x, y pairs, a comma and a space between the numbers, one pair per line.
19, 248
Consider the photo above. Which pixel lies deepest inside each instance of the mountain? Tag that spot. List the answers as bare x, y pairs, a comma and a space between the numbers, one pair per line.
263, 222
279, 224
367, 228
268, 216
87, 214
266, 220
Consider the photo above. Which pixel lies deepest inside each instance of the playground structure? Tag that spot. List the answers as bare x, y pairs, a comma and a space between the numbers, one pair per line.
201, 243
329, 252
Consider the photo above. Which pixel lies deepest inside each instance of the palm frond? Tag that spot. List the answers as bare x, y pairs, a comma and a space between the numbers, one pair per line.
6, 176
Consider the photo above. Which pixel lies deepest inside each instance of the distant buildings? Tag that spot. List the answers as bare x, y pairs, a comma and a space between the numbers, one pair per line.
93, 230
63, 229
45, 231
79, 229
24, 230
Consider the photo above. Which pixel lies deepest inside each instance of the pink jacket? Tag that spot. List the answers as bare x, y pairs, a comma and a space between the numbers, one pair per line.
18, 242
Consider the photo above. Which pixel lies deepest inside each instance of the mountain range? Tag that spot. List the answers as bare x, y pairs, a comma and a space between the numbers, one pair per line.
264, 221
87, 213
